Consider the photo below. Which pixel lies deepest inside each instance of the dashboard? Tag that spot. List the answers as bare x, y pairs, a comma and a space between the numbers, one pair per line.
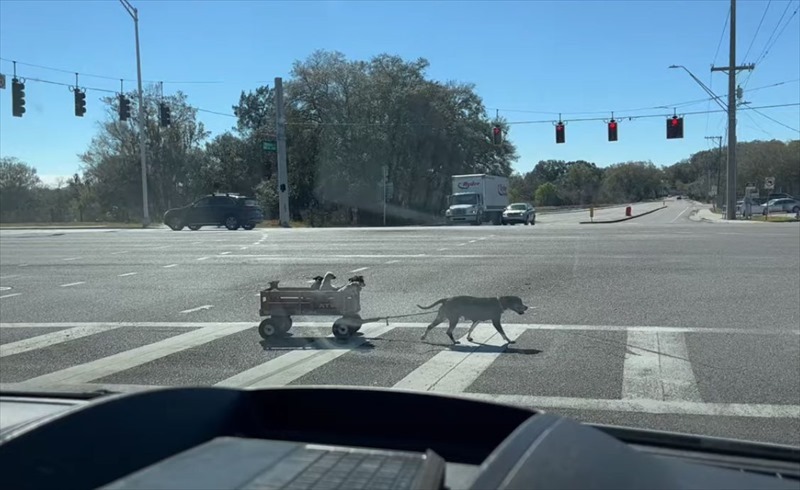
343, 437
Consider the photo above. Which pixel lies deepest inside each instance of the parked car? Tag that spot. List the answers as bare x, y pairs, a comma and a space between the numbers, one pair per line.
229, 210
519, 212
782, 206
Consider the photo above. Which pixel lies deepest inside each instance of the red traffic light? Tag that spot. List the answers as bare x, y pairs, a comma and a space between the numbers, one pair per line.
560, 134
612, 125
674, 121
496, 130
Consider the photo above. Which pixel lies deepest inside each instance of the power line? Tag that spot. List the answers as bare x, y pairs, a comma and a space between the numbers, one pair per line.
774, 120
714, 60
772, 39
757, 29
106, 77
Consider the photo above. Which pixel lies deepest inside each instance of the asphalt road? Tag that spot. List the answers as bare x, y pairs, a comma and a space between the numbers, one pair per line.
659, 322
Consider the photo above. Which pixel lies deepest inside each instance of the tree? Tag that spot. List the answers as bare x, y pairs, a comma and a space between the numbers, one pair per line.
18, 185
174, 157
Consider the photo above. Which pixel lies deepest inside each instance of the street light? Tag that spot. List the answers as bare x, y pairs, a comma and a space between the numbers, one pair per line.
142, 133
708, 90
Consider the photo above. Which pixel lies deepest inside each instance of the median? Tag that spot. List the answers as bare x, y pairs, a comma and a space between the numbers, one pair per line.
626, 218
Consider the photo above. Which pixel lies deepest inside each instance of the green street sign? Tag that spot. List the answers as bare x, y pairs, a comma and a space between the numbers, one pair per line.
270, 146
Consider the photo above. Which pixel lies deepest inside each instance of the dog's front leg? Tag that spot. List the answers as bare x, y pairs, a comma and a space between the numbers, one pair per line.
499, 328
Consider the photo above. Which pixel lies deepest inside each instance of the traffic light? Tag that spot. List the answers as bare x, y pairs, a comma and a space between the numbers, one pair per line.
612, 130
17, 97
124, 108
674, 127
497, 135
560, 134
165, 119
80, 102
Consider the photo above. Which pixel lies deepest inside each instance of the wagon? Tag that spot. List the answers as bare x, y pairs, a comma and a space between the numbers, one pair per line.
280, 304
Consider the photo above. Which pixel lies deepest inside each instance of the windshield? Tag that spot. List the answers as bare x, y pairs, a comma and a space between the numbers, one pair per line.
383, 142
460, 199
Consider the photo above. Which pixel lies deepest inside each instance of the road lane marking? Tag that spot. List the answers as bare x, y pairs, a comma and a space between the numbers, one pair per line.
243, 248
120, 252
392, 261
681, 214
289, 367
10, 295
657, 368
224, 253
203, 258
359, 269
460, 244
5, 288
526, 326
127, 274
49, 339
442, 249
453, 371
199, 308
100, 368
472, 241
70, 284
71, 258
170, 265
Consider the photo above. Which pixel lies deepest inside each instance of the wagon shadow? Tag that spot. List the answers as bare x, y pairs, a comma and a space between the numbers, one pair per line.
292, 343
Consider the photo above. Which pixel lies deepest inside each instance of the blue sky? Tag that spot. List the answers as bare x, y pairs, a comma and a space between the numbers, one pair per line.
530, 59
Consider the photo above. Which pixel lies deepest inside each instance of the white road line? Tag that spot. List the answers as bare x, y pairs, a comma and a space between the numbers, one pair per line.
472, 241
453, 371
5, 288
70, 284
392, 261
199, 308
442, 249
170, 265
679, 215
243, 248
224, 253
287, 368
120, 252
49, 339
657, 368
526, 326
100, 368
71, 258
203, 258
460, 244
359, 269
127, 274
10, 295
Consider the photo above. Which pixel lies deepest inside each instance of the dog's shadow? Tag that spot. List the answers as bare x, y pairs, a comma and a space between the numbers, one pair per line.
289, 342
468, 347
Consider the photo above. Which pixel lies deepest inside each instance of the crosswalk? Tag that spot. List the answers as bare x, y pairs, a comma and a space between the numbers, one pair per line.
646, 369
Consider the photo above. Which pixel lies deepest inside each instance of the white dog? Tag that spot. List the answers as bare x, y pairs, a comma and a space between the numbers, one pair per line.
326, 284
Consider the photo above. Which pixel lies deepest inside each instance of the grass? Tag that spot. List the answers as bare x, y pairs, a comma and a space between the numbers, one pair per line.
776, 219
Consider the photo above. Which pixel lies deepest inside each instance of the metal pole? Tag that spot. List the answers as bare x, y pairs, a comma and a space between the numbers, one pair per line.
731, 196
385, 178
283, 174
142, 131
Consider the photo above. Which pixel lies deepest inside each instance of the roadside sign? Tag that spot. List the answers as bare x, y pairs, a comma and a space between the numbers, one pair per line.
270, 146
713, 191
769, 183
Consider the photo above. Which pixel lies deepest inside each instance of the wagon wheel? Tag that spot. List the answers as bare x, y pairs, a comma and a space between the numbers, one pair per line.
354, 323
345, 327
274, 326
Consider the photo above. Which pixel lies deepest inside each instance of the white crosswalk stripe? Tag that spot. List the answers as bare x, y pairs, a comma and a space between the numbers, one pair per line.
656, 376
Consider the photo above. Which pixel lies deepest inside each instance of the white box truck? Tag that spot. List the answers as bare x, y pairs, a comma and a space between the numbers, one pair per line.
477, 198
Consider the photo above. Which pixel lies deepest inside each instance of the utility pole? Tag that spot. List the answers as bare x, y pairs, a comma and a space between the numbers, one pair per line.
732, 69
718, 139
283, 174
134, 13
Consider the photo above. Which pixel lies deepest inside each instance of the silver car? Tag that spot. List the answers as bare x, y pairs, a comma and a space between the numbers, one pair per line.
782, 206
519, 212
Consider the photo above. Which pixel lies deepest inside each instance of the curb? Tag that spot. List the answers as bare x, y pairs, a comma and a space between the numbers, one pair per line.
622, 219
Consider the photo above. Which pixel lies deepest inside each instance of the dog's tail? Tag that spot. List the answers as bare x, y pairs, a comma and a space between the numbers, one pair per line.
441, 301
